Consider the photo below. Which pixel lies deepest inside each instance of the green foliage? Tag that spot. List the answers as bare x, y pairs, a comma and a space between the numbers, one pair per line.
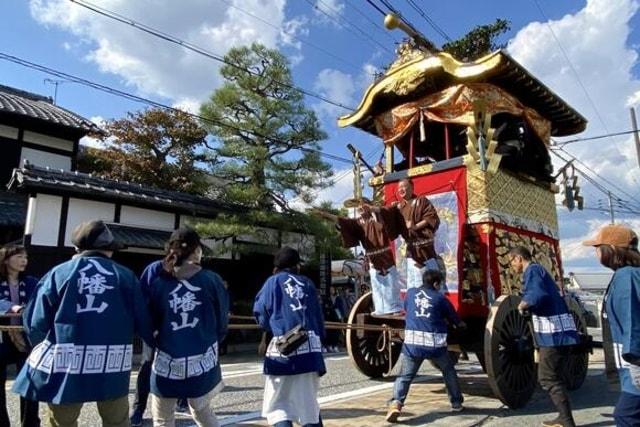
254, 222
332, 241
153, 147
478, 42
264, 128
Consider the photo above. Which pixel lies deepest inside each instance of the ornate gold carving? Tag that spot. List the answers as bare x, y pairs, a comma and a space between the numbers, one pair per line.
406, 52
504, 198
420, 170
481, 132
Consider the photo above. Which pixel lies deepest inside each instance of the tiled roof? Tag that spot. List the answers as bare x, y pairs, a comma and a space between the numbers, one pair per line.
55, 181
139, 237
13, 209
146, 238
31, 105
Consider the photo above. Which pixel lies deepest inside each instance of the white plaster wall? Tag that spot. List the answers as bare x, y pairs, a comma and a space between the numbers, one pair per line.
146, 218
48, 141
8, 132
85, 210
44, 159
44, 219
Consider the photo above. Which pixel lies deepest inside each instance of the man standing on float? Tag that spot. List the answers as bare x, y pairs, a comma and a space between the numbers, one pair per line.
421, 221
374, 229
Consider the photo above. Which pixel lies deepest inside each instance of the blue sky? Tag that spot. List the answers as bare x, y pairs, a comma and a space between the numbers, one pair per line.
600, 38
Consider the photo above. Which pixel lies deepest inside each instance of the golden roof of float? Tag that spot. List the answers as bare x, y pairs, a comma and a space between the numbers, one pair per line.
416, 74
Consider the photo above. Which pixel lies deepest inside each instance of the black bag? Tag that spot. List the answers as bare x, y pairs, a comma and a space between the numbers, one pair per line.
291, 340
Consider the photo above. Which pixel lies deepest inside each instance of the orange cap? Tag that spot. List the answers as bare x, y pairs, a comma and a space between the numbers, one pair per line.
614, 235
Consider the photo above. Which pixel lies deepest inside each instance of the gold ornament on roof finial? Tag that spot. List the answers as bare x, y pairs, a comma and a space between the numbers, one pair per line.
393, 21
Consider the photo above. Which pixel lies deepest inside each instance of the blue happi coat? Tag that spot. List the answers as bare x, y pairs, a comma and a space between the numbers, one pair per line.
425, 331
81, 323
283, 302
553, 325
26, 290
150, 274
191, 316
622, 309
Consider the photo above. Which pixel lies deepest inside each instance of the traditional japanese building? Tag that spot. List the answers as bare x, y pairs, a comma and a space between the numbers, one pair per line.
33, 128
47, 198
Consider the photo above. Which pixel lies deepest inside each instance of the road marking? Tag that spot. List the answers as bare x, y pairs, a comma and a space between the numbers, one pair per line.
331, 358
238, 374
322, 400
236, 419
253, 368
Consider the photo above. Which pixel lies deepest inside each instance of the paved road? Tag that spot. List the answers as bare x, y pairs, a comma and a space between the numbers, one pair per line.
350, 399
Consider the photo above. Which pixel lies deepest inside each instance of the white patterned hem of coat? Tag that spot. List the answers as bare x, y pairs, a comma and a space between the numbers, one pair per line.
385, 291
291, 397
312, 345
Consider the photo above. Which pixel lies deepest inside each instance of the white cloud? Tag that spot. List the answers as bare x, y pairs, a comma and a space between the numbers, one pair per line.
292, 30
595, 40
189, 105
573, 250
341, 190
633, 100
154, 66
344, 88
328, 11
337, 86
94, 142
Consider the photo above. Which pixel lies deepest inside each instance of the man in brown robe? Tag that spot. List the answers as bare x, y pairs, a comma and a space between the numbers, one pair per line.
421, 221
375, 230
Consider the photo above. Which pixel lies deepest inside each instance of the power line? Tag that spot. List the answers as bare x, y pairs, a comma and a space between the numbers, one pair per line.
576, 159
573, 69
301, 40
560, 144
577, 76
371, 21
395, 11
376, 7
595, 183
605, 210
348, 24
140, 99
338, 178
430, 21
201, 51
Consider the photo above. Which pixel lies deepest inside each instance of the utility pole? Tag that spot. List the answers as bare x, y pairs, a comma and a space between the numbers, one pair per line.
634, 125
611, 207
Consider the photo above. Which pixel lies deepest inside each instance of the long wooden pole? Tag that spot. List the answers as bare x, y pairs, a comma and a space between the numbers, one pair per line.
634, 125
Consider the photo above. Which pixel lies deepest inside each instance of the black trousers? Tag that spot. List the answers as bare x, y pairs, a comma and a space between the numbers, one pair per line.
28, 408
550, 366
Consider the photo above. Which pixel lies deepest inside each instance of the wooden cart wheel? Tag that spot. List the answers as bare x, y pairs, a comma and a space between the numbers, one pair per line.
509, 353
374, 353
578, 364
481, 359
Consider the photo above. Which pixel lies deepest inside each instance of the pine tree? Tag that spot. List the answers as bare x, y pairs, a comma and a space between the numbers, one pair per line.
268, 139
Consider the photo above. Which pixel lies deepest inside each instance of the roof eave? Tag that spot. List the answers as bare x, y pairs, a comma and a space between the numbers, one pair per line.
408, 78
